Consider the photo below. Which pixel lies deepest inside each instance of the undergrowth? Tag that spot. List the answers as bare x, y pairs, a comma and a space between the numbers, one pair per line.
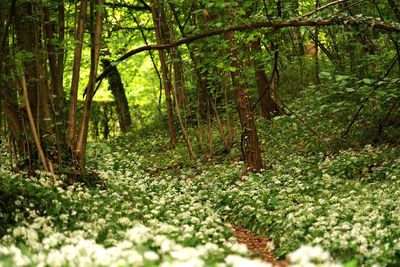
319, 187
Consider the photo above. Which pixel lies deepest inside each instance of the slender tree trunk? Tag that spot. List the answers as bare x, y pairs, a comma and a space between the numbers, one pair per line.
250, 144
8, 94
72, 124
297, 31
26, 30
161, 36
316, 49
96, 15
55, 55
9, 103
219, 123
60, 51
35, 90
32, 124
267, 103
204, 94
179, 92
183, 129
229, 121
179, 81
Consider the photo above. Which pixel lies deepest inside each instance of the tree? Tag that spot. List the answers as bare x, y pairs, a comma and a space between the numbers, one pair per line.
161, 31
250, 145
96, 23
37, 78
118, 91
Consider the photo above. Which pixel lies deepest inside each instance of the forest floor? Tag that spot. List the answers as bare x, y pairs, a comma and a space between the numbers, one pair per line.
320, 201
126, 216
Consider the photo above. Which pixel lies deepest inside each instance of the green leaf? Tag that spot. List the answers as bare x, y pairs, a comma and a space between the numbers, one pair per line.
220, 65
367, 81
232, 68
324, 73
242, 12
351, 263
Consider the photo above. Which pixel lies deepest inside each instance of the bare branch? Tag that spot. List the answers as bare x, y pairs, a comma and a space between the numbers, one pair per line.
322, 8
130, 7
377, 25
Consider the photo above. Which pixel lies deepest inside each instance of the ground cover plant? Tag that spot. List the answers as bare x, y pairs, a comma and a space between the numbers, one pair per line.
152, 206
128, 219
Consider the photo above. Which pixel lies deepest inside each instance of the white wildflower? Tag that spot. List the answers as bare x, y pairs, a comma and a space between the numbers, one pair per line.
138, 234
239, 261
151, 256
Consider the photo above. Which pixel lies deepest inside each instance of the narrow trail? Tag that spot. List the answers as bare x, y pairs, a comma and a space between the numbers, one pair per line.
258, 245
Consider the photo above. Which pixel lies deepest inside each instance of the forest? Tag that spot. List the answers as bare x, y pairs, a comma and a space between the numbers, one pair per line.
200, 133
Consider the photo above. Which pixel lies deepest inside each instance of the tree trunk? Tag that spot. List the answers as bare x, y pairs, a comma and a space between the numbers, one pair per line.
179, 81
162, 36
71, 135
96, 23
316, 49
8, 95
250, 144
35, 90
204, 94
267, 103
118, 91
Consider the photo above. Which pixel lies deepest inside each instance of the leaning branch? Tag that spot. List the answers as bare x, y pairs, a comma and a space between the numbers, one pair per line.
322, 8
351, 21
130, 7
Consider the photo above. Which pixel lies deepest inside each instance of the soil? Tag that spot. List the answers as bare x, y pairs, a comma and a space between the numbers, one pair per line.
258, 245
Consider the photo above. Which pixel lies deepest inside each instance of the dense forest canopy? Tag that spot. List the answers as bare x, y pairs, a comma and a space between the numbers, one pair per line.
258, 82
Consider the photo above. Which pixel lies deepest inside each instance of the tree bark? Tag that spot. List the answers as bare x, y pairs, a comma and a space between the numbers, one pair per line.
71, 135
202, 85
8, 94
35, 133
161, 37
96, 15
179, 81
316, 49
250, 144
267, 103
120, 100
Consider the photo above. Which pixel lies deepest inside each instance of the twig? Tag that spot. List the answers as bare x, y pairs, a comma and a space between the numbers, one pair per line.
152, 60
381, 124
322, 8
309, 127
365, 100
32, 124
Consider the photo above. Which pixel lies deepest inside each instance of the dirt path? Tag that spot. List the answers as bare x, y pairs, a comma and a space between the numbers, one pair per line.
258, 245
